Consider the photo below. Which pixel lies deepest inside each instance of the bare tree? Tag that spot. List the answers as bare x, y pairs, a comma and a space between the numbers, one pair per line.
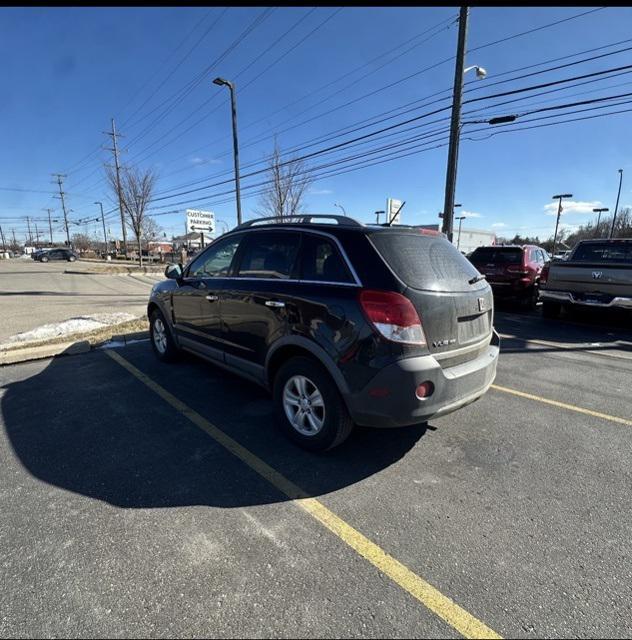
151, 229
81, 241
137, 187
289, 180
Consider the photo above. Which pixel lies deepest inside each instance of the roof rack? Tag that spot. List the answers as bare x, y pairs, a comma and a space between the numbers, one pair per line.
301, 219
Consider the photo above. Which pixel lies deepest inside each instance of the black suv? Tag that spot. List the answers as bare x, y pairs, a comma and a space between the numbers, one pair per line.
344, 323
56, 254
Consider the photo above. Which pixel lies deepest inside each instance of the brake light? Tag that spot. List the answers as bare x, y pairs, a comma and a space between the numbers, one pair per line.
544, 274
393, 315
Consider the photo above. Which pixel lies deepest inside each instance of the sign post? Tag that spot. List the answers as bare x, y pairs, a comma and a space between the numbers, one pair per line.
392, 211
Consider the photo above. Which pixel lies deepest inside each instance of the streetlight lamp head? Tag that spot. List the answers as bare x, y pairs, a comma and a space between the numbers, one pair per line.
480, 73
220, 81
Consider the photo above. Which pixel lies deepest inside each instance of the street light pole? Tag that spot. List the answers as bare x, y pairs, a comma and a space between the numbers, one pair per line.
559, 213
377, 216
340, 207
599, 211
233, 104
616, 206
105, 236
458, 240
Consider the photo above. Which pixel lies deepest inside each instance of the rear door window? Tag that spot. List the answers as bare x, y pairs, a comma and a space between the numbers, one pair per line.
604, 252
321, 261
425, 262
497, 255
269, 255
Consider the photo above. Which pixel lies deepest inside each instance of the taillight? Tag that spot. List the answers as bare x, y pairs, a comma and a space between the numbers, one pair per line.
393, 315
544, 274
517, 269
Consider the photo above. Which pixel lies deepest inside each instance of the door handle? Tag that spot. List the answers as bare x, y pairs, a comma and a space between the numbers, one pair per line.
275, 303
212, 298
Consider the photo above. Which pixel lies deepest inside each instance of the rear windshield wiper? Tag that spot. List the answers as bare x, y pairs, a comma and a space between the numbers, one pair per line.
476, 279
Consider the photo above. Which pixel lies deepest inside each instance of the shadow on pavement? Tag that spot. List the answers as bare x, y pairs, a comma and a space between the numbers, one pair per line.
86, 425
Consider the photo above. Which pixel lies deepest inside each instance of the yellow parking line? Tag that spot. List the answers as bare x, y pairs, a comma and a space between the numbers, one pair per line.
465, 623
563, 405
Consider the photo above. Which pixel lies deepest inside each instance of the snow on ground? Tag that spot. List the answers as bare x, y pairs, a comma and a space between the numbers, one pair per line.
79, 324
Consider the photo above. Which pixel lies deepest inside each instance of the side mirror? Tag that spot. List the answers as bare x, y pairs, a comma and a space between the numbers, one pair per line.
173, 271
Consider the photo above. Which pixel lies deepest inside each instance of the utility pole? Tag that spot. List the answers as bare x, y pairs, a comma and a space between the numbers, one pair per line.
28, 224
50, 225
616, 206
60, 179
455, 128
4, 244
117, 167
36, 235
559, 213
15, 242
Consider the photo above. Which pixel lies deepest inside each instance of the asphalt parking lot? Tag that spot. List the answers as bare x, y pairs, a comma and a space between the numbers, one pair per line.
35, 293
142, 499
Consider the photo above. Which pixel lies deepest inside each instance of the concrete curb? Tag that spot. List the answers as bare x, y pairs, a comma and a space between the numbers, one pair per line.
44, 351
109, 272
81, 344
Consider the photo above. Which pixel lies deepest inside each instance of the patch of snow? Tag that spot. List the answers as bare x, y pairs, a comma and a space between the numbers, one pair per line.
79, 324
116, 344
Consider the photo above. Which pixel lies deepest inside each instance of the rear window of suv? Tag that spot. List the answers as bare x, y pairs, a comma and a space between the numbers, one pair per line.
604, 252
497, 255
425, 262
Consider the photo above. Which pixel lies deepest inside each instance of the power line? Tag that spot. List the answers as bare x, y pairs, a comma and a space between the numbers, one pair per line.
402, 123
206, 115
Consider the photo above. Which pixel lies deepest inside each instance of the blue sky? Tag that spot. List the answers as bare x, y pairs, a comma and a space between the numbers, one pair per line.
68, 71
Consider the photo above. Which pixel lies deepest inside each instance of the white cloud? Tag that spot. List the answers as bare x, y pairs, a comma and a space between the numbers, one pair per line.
572, 206
320, 192
471, 214
499, 224
197, 160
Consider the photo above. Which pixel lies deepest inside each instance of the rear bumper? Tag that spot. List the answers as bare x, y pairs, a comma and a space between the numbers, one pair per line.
511, 288
454, 388
619, 302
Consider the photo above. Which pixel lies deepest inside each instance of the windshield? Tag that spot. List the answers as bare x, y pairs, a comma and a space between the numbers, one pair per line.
425, 262
497, 255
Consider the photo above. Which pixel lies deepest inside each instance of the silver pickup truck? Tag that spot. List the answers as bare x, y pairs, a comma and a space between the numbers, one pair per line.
598, 273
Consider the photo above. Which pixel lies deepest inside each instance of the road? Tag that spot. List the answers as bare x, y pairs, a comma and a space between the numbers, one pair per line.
136, 503
34, 293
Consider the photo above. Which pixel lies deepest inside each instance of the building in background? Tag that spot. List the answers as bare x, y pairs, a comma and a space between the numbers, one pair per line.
470, 238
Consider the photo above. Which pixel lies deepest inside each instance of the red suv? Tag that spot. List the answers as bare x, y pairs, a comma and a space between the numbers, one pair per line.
513, 271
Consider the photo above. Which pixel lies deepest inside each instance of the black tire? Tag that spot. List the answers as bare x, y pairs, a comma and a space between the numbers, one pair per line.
168, 350
337, 424
551, 309
530, 300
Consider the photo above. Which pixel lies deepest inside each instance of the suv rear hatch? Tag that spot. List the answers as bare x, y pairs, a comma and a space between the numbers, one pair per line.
501, 265
454, 303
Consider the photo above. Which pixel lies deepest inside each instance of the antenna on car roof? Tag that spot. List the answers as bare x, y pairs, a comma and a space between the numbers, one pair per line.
401, 206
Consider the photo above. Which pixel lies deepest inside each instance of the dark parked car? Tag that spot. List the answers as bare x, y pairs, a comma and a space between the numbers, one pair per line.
513, 271
57, 254
344, 323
